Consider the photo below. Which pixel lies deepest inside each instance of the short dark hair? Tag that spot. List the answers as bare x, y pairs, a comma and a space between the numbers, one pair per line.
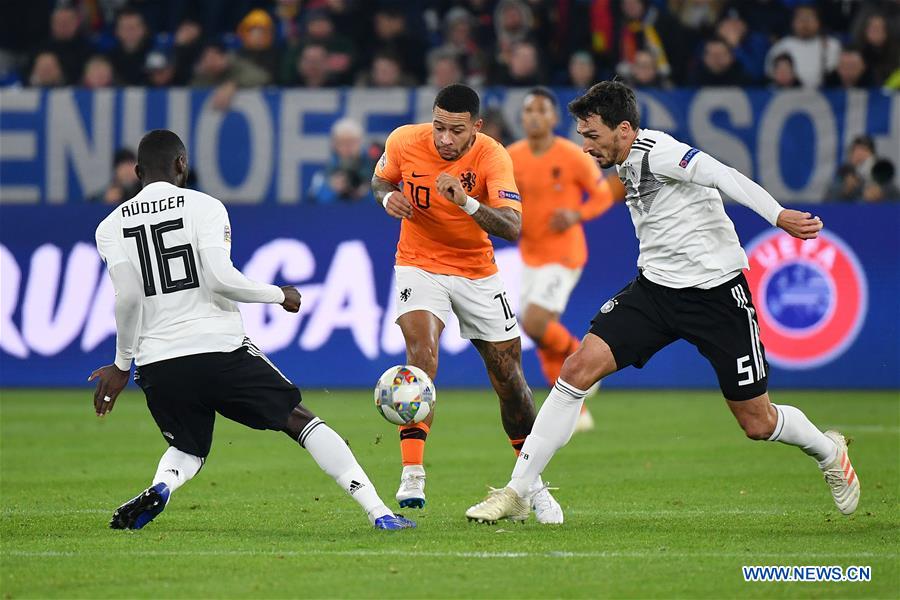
458, 98
864, 140
612, 101
158, 150
544, 92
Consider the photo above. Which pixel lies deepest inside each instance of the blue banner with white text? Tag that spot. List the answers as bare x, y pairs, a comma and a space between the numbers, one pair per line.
57, 146
828, 308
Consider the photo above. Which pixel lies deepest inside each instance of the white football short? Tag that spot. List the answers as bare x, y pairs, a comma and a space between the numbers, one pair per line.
480, 305
548, 286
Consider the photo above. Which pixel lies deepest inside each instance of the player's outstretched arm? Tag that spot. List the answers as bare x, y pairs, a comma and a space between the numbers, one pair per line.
744, 190
503, 222
391, 197
112, 379
224, 279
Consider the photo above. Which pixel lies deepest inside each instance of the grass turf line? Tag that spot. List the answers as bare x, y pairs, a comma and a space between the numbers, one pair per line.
665, 498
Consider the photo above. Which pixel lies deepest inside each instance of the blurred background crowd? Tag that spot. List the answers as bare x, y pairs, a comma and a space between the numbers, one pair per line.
231, 44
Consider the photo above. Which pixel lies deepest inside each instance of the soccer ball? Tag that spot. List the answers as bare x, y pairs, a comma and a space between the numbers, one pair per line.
404, 395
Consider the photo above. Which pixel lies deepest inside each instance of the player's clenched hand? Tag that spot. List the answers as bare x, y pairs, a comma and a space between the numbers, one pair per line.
398, 206
799, 224
291, 298
110, 383
564, 218
450, 188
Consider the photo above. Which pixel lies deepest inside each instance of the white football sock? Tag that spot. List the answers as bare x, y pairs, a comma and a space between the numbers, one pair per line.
795, 429
552, 430
334, 457
176, 468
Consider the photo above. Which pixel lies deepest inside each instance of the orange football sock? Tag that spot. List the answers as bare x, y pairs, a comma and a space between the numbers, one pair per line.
412, 443
558, 340
517, 445
551, 365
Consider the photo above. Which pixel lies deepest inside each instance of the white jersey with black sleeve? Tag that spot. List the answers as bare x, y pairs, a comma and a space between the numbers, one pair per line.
168, 255
672, 192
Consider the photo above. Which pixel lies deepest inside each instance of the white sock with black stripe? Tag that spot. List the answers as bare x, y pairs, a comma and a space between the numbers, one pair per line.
552, 430
334, 457
176, 468
795, 429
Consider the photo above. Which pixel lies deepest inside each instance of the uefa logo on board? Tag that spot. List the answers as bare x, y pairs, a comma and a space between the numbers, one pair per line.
810, 296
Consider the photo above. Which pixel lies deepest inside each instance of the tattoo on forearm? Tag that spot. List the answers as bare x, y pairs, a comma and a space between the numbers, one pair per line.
502, 222
380, 187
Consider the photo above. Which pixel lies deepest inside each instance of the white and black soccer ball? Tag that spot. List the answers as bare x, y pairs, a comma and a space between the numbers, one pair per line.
404, 395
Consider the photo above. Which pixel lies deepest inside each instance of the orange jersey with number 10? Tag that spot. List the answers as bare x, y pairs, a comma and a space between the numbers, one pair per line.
561, 177
441, 238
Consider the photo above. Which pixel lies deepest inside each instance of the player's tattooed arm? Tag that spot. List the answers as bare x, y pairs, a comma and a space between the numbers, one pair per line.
396, 204
503, 222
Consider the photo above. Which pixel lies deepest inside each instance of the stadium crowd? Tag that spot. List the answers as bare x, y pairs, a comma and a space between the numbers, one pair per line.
232, 44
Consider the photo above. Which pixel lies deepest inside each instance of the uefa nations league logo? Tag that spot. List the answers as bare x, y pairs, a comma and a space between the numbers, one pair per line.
811, 297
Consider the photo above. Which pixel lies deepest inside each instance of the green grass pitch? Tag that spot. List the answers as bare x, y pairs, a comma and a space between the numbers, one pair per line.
665, 499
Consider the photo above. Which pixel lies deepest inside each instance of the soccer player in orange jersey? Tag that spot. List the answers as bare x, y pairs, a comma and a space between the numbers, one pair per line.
452, 186
561, 187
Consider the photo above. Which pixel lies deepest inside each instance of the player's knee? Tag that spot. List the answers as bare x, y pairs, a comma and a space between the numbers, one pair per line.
582, 370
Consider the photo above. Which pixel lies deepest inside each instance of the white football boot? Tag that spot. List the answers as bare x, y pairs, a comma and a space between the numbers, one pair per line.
500, 504
840, 476
546, 509
412, 487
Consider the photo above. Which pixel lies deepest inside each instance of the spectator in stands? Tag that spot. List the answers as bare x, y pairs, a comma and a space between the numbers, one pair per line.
495, 126
217, 68
98, 73
879, 45
523, 69
847, 188
345, 178
814, 54
386, 72
125, 184
340, 52
70, 45
644, 27
749, 47
160, 69
186, 51
46, 71
697, 16
882, 187
311, 68
643, 73
513, 23
458, 38
257, 34
861, 156
393, 35
851, 71
132, 45
718, 66
783, 75
582, 71
443, 68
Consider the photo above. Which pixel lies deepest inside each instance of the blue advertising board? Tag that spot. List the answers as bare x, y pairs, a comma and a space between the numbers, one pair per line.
828, 308
57, 146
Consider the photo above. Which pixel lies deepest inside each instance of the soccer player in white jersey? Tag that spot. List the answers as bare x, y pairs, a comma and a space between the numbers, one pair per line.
690, 286
168, 255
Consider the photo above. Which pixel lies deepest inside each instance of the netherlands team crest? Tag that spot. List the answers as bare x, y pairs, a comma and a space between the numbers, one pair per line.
811, 297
